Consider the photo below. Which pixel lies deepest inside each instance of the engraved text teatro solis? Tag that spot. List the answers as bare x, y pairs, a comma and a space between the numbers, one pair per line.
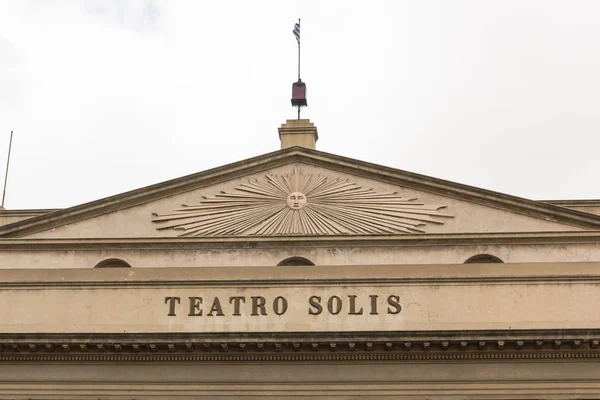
214, 306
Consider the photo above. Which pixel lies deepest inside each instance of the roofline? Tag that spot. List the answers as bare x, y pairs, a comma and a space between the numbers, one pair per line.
28, 211
574, 203
536, 209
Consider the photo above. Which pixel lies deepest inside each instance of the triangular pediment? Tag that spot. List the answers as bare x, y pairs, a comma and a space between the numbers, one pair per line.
300, 192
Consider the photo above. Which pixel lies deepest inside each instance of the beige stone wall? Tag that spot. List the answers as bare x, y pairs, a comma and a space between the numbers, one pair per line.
411, 321
491, 379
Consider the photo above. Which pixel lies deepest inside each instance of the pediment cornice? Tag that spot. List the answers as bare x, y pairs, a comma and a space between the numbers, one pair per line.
535, 209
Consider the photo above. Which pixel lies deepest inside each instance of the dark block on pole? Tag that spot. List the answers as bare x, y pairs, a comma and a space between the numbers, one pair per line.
299, 94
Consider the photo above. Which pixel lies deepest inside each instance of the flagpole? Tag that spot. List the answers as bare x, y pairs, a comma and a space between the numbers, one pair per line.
299, 65
7, 164
298, 87
298, 54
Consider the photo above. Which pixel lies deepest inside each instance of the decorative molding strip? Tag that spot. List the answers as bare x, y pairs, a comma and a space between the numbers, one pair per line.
301, 204
304, 357
450, 350
298, 281
413, 240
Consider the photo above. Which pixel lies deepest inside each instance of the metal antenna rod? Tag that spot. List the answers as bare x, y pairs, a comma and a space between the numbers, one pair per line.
7, 164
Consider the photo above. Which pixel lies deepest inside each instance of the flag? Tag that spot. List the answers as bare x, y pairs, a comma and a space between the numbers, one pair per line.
297, 32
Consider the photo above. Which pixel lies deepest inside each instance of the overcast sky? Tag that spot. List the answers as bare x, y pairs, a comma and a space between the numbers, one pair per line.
109, 96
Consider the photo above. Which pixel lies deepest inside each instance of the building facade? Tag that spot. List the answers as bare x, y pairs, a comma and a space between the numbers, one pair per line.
300, 274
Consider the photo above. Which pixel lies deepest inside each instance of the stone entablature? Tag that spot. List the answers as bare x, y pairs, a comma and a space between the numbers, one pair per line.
131, 316
303, 300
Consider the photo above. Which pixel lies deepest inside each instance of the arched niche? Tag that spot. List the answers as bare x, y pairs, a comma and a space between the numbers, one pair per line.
112, 263
483, 259
295, 261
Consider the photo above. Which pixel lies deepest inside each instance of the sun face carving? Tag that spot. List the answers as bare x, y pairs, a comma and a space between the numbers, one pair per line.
301, 204
296, 200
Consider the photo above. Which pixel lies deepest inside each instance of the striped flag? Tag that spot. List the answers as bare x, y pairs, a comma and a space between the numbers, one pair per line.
297, 32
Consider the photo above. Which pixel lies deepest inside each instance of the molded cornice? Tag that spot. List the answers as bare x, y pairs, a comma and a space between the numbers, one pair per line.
342, 346
415, 240
526, 273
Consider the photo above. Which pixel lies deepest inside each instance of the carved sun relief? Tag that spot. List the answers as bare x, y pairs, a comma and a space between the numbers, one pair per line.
301, 204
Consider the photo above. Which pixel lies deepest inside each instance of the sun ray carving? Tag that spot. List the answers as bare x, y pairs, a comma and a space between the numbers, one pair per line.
301, 204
